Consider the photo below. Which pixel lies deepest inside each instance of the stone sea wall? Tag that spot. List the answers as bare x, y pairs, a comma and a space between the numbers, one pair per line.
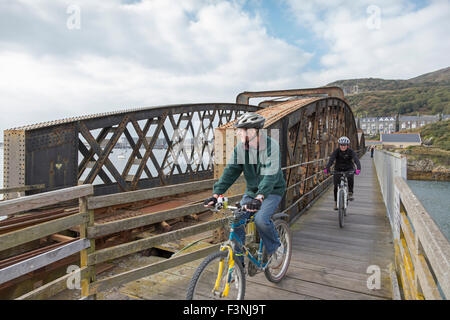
425, 169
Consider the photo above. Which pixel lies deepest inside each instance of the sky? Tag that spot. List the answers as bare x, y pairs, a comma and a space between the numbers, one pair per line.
62, 59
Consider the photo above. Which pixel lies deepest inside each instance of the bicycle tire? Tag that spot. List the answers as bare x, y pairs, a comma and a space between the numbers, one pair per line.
341, 208
202, 283
275, 273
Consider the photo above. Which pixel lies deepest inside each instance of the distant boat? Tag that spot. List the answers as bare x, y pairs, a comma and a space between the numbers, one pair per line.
122, 155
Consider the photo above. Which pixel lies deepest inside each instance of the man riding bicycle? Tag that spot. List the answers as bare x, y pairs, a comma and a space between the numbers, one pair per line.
345, 159
258, 156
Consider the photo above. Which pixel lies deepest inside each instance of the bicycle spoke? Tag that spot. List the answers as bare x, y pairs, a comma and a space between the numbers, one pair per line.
202, 285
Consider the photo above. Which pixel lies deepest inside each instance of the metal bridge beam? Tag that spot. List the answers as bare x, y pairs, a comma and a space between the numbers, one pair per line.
244, 97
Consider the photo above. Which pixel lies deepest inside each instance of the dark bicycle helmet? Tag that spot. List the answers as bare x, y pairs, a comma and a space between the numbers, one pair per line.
250, 120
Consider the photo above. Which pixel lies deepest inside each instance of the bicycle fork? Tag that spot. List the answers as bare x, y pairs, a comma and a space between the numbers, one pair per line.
229, 273
342, 189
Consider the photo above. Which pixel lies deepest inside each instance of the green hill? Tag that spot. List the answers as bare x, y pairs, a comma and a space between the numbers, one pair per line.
425, 94
438, 133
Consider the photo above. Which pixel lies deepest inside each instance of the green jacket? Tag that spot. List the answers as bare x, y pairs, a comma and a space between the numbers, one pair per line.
262, 172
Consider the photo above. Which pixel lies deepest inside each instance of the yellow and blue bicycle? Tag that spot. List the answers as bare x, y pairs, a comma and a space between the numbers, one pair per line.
222, 276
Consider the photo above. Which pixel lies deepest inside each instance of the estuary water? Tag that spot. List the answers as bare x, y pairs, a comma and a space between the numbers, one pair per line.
435, 197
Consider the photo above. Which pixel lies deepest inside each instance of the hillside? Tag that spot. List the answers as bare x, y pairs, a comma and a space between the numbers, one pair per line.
442, 75
438, 134
426, 94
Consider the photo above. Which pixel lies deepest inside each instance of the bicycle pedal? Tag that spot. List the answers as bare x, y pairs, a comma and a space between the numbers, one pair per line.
252, 270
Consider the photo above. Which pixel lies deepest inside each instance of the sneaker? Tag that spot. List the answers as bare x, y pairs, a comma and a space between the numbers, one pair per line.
335, 205
276, 258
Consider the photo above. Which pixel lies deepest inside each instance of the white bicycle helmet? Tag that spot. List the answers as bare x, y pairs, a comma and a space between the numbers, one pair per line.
250, 120
344, 140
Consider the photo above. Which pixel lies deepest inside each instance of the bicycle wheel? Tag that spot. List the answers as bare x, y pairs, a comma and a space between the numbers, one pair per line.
202, 283
279, 265
341, 208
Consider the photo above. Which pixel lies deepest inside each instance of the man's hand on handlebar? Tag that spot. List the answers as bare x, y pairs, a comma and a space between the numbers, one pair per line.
210, 201
253, 205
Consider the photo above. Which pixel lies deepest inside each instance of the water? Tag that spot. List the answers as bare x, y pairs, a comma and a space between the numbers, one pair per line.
435, 197
119, 158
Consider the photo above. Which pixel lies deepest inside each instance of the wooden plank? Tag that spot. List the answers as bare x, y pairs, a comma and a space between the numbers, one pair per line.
18, 237
139, 245
343, 251
90, 274
436, 247
22, 189
52, 288
326, 276
427, 283
139, 195
409, 269
98, 230
330, 258
13, 206
394, 283
401, 270
44, 259
316, 290
135, 274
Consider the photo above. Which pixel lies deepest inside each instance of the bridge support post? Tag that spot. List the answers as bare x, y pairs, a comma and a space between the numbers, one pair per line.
89, 275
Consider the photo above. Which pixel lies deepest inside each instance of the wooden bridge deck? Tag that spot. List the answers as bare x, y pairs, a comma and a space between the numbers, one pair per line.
327, 262
331, 263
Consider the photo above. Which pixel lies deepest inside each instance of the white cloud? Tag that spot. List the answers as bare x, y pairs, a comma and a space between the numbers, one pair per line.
409, 42
166, 52
129, 55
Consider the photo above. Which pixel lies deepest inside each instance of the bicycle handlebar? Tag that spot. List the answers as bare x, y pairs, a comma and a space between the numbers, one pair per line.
343, 172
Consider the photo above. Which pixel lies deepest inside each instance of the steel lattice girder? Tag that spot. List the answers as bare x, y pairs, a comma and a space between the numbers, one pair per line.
48, 153
308, 131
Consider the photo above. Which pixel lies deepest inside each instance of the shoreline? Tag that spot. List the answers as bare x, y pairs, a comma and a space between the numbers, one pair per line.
428, 175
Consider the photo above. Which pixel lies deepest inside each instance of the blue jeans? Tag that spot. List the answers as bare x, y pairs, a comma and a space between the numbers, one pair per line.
264, 225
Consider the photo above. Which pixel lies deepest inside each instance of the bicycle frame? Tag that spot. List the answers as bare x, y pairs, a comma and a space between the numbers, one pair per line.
343, 185
228, 245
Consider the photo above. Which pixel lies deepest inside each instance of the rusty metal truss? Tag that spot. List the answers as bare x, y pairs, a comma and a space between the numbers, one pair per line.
175, 144
309, 128
167, 145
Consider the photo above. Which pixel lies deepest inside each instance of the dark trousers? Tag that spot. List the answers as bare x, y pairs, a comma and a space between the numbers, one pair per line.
337, 180
371, 153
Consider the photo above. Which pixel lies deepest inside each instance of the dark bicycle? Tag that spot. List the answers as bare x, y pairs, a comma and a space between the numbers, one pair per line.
222, 276
342, 194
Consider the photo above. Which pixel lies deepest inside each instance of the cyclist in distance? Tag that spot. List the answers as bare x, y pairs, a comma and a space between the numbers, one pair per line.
258, 156
345, 159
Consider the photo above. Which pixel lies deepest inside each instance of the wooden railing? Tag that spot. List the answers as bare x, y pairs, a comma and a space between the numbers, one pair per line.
31, 233
90, 256
19, 191
422, 252
90, 286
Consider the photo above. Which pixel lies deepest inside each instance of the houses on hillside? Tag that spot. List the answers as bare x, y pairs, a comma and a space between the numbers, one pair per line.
390, 124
